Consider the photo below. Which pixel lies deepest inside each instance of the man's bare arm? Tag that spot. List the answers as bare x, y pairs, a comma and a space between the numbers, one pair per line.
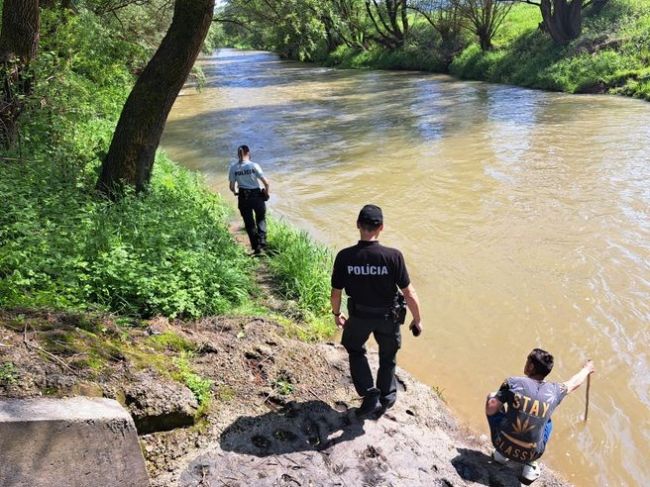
577, 380
413, 304
267, 185
335, 300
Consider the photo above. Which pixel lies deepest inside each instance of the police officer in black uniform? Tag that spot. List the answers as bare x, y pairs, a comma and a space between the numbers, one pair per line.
372, 276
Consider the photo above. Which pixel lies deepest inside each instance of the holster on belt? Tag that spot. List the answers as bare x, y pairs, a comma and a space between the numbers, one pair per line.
246, 194
395, 313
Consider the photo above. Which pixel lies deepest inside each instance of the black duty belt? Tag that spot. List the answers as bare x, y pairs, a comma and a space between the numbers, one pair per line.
395, 313
249, 193
363, 311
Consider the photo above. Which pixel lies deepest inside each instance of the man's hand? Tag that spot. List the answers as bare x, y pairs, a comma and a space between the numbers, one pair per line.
416, 328
340, 320
589, 367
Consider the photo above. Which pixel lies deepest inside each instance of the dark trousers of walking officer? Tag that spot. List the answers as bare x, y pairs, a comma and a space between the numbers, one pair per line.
388, 337
253, 210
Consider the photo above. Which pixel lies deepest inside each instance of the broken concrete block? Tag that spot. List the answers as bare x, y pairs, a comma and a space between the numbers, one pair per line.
75, 442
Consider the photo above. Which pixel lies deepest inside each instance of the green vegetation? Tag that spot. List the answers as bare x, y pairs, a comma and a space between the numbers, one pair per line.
612, 53
169, 340
8, 374
283, 384
439, 392
301, 267
167, 252
226, 393
201, 387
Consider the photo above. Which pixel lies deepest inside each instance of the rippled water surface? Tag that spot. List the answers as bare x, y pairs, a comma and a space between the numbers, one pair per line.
524, 217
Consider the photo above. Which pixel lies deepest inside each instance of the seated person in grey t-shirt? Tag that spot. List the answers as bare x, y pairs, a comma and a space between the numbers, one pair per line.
519, 414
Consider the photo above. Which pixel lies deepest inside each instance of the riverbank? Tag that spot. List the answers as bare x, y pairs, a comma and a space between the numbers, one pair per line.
237, 400
611, 56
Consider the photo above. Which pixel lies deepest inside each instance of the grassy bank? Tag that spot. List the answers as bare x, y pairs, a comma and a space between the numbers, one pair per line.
61, 246
167, 252
611, 56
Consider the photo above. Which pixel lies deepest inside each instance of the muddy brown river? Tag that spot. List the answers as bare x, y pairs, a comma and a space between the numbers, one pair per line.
524, 217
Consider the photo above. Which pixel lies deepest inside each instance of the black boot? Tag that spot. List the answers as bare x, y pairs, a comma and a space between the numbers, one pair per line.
370, 404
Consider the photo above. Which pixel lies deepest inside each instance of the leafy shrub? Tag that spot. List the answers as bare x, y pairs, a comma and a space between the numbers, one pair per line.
166, 252
8, 374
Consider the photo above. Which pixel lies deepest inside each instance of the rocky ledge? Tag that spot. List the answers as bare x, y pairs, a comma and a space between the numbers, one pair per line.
281, 414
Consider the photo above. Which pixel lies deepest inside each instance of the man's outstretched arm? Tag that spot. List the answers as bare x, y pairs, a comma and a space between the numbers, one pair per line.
577, 380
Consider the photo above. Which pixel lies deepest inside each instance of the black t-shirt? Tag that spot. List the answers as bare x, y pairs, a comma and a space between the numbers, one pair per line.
370, 273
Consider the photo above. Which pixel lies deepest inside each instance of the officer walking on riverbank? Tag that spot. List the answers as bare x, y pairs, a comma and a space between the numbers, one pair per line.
519, 414
372, 276
245, 176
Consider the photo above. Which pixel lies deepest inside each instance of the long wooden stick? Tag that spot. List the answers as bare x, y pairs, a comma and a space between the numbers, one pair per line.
587, 397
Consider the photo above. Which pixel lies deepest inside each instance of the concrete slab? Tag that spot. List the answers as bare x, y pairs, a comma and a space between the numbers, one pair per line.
75, 442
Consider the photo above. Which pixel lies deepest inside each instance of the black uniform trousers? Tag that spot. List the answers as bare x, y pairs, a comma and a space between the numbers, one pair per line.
253, 210
388, 337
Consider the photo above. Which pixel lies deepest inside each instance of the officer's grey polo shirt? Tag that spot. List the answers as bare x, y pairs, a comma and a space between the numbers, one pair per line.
246, 174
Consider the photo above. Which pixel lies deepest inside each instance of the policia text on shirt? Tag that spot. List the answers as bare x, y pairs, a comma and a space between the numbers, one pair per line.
244, 177
372, 276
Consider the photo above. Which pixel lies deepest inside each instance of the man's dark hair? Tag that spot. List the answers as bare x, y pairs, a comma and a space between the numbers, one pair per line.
368, 227
542, 362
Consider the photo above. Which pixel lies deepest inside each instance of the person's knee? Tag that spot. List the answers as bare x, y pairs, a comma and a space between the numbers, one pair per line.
354, 350
492, 405
388, 359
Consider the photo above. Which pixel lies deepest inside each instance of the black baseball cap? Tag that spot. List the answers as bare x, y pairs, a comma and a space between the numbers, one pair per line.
371, 214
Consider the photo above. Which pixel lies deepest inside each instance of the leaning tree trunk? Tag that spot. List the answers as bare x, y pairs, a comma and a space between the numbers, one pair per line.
562, 19
131, 155
18, 44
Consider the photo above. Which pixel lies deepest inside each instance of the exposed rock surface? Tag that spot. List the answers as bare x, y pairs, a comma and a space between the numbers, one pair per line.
157, 404
282, 414
311, 435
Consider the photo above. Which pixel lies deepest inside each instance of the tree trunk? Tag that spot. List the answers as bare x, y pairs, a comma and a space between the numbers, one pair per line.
562, 19
18, 44
485, 41
137, 135
20, 23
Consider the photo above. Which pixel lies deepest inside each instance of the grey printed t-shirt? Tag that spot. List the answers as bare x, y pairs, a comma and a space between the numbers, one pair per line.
529, 405
245, 174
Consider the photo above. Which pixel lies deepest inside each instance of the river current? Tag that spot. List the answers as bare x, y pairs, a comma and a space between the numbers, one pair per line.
524, 217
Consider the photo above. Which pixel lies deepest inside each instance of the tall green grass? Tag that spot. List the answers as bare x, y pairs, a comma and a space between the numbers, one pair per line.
301, 266
61, 246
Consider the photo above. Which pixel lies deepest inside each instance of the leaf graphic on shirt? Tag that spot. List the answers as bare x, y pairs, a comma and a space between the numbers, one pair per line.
516, 387
522, 428
550, 396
